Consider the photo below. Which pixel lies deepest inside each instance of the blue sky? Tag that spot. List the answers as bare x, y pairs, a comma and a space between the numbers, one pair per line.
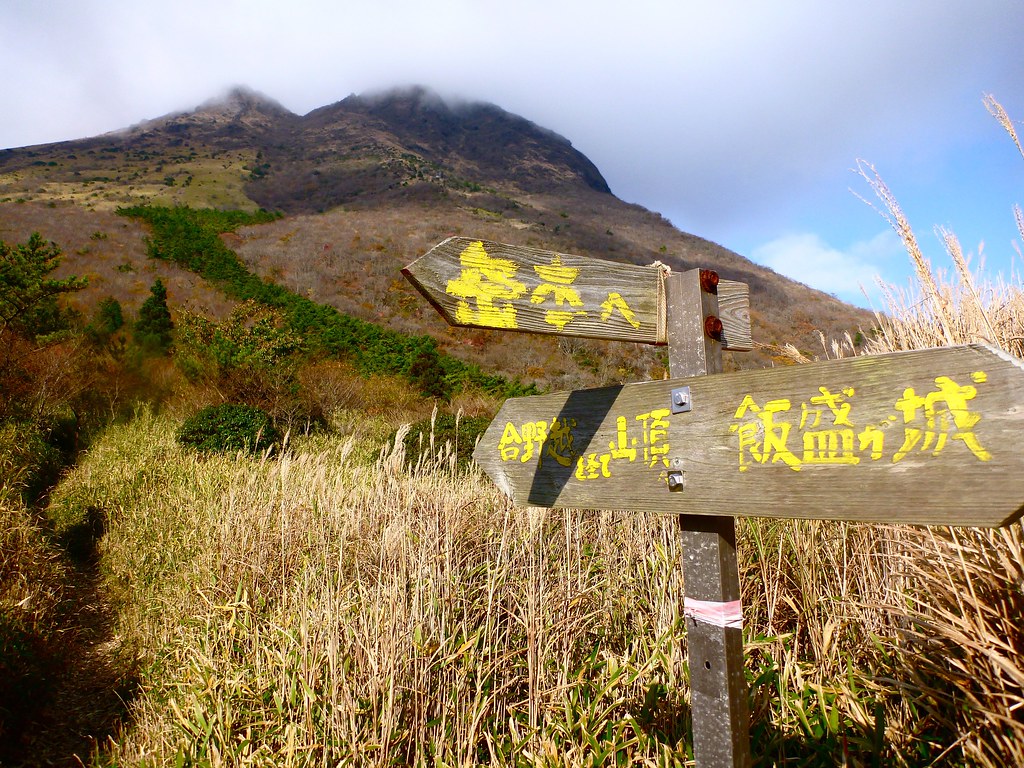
741, 122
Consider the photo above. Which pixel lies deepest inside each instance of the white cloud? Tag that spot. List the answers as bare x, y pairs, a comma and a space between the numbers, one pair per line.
848, 272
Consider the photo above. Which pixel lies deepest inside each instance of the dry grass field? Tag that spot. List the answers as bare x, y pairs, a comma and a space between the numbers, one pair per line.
110, 251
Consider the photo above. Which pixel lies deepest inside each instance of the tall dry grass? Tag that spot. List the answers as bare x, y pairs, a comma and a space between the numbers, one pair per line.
320, 609
323, 607
944, 308
334, 606
959, 642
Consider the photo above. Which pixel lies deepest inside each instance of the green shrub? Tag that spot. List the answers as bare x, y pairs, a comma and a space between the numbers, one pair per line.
154, 327
28, 295
426, 438
229, 427
107, 320
426, 371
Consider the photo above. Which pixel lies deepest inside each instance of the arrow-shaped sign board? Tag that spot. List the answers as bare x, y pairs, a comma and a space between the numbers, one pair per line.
928, 437
482, 284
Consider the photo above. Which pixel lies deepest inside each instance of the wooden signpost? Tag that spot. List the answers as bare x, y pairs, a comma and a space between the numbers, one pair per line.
482, 284
902, 438
712, 606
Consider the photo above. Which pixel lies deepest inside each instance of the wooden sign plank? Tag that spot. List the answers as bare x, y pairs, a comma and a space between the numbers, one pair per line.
928, 437
478, 283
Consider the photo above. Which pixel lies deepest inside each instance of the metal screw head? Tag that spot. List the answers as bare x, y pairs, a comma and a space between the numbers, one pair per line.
675, 481
680, 401
713, 327
709, 281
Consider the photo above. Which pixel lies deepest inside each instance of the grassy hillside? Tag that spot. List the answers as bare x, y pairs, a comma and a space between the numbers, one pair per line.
351, 260
336, 604
368, 185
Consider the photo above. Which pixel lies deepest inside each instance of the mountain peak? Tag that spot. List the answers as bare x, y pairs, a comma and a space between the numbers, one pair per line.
403, 142
242, 101
415, 96
238, 115
479, 139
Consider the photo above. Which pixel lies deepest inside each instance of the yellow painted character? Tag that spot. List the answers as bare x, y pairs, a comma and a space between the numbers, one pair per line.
828, 443
616, 302
944, 414
874, 438
622, 447
510, 442
558, 280
764, 440
593, 466
534, 434
655, 430
489, 282
560, 439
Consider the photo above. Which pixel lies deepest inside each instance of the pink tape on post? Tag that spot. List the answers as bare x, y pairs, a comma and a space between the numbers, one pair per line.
718, 614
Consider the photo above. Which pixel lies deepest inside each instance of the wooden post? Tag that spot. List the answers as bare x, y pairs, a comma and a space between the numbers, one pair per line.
714, 635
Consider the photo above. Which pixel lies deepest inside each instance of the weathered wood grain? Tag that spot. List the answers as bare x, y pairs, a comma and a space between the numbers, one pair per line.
478, 283
926, 437
734, 310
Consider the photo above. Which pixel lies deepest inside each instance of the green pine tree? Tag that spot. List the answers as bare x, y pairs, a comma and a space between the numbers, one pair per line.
153, 328
28, 296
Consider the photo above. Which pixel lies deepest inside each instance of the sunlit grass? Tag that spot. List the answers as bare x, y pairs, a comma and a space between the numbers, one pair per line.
315, 608
105, 183
332, 605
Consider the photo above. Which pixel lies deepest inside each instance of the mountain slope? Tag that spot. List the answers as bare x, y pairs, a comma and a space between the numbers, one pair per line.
367, 185
406, 144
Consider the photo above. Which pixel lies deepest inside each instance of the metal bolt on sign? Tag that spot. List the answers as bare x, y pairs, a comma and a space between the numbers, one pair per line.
681, 400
